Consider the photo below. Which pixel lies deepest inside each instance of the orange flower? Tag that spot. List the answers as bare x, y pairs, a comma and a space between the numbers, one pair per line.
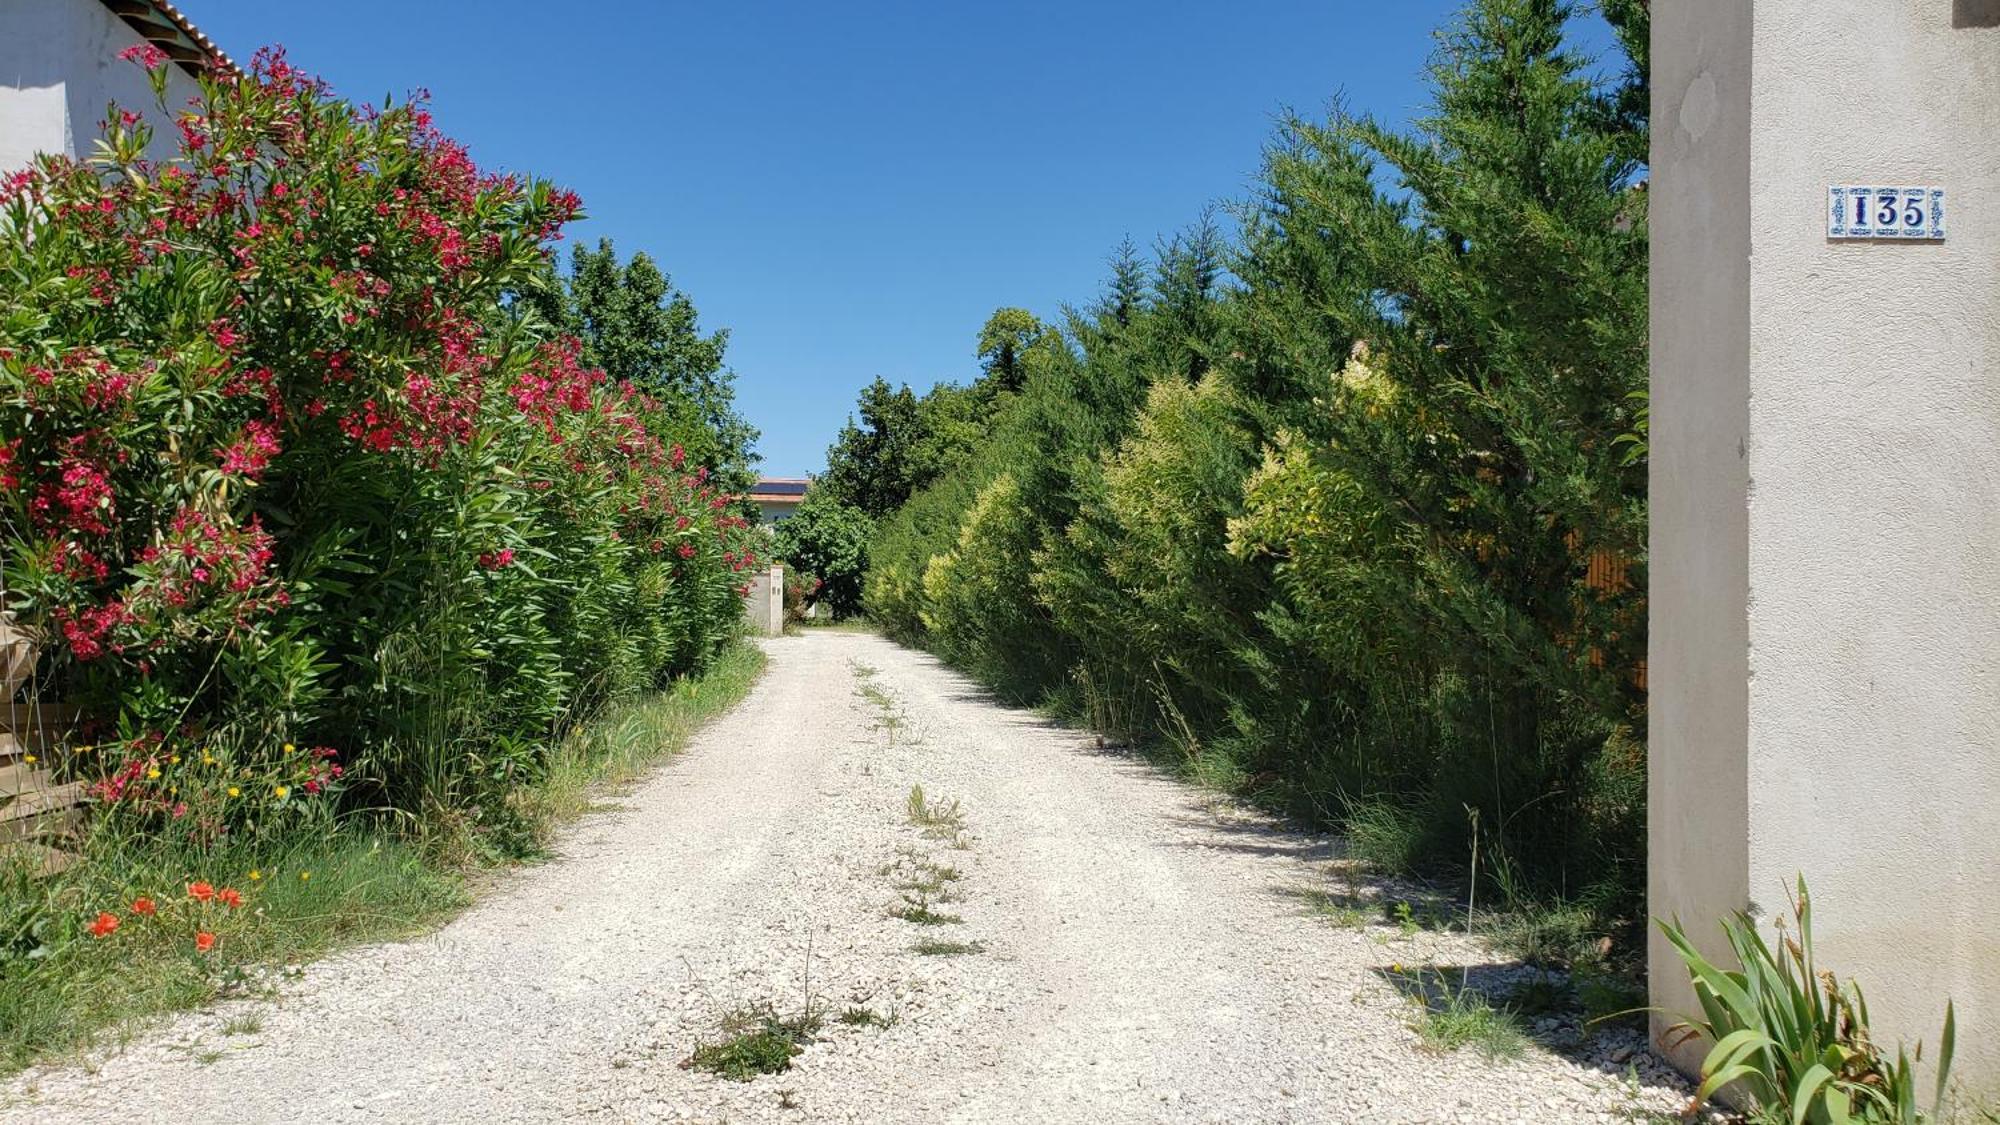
105, 924
200, 892
230, 898
143, 905
204, 941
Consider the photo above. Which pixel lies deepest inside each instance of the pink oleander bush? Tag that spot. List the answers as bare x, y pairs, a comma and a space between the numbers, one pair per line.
284, 462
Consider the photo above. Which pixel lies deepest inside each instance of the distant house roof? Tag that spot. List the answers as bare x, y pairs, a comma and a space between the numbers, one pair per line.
163, 25
780, 490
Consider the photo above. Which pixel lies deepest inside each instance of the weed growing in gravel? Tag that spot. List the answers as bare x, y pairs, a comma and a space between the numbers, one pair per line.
1461, 1017
858, 1016
1342, 910
889, 716
930, 948
244, 1025
936, 818
919, 912
755, 1041
921, 876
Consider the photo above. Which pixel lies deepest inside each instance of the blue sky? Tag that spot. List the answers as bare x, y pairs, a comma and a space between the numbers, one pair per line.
851, 188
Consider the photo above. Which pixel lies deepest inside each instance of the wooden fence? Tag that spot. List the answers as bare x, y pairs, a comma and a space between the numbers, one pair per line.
36, 811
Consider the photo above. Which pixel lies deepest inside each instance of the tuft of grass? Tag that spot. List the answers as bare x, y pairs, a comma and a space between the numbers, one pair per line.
1384, 835
1345, 911
755, 1041
244, 1025
858, 1016
1564, 934
930, 948
1608, 997
1455, 1018
920, 876
343, 883
918, 911
936, 818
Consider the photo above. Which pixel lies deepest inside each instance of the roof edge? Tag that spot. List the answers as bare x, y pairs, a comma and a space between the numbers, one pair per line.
161, 24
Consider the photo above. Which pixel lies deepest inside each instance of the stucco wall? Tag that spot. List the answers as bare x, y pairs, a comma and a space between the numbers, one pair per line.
1868, 493
59, 68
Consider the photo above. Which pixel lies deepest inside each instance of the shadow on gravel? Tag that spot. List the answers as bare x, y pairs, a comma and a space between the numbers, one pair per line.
1498, 999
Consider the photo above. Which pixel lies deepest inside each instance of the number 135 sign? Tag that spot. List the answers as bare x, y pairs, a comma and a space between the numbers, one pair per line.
1885, 212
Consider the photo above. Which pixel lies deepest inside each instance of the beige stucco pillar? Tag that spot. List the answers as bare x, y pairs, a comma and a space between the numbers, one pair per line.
1825, 556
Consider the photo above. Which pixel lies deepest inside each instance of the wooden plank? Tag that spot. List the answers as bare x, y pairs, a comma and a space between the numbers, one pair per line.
44, 798
14, 744
42, 859
17, 777
43, 826
33, 715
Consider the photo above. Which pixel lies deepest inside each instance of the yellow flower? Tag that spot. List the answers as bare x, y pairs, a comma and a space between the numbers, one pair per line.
153, 774
32, 759
282, 792
304, 876
235, 792
175, 760
289, 748
255, 874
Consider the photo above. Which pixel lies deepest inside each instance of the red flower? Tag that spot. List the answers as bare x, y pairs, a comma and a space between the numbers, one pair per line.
200, 892
687, 550
145, 54
204, 941
230, 898
143, 905
104, 926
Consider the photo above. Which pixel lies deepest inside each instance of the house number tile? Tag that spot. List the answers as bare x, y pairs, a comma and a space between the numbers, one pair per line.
1882, 211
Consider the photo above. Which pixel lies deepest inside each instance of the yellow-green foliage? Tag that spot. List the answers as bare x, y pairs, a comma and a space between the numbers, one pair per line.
972, 603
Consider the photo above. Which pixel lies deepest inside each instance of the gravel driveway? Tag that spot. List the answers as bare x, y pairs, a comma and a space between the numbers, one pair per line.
1143, 954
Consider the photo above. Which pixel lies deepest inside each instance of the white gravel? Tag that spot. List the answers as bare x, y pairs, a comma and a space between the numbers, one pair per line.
1146, 957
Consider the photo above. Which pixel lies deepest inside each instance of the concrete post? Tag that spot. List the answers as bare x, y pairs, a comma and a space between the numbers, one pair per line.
775, 624
1825, 555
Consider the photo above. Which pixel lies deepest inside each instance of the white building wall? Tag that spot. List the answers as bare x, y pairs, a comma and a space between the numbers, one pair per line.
59, 69
1826, 496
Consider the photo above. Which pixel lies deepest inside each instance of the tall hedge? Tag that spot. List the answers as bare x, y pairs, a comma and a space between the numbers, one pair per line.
1341, 512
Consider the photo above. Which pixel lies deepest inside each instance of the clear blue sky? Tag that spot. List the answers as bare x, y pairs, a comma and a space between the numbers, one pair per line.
850, 188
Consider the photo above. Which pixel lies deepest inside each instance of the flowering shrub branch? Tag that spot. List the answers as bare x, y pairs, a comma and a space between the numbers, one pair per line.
280, 457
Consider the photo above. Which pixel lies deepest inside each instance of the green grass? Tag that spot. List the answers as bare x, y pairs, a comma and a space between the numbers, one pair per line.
932, 948
631, 738
1466, 1019
888, 714
1451, 1017
1384, 835
362, 880
756, 1041
845, 625
1348, 911
919, 912
937, 818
